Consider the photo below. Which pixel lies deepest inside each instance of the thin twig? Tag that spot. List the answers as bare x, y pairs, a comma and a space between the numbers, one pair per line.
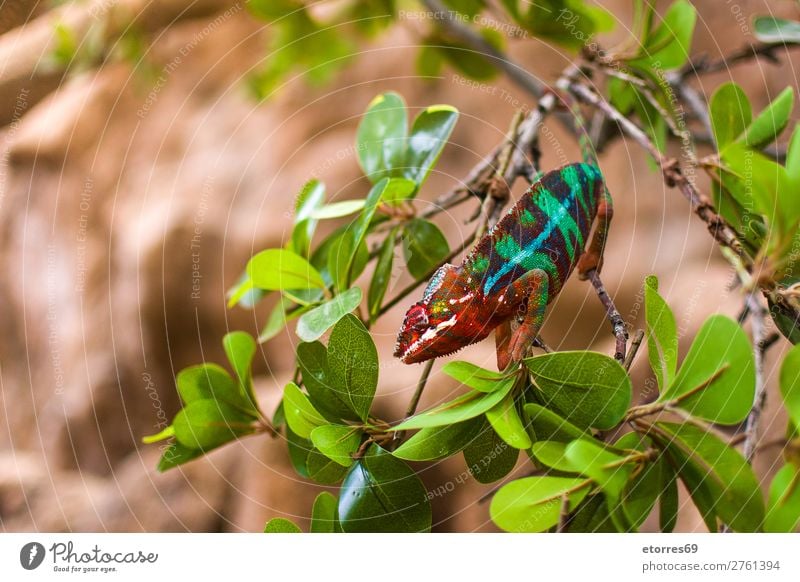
563, 514
635, 344
744, 54
617, 324
759, 314
412, 405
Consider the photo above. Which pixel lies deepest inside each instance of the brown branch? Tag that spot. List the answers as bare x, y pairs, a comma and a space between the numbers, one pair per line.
617, 324
671, 169
635, 344
704, 65
759, 315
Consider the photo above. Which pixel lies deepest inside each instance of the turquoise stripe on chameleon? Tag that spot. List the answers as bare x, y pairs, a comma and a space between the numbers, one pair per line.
530, 249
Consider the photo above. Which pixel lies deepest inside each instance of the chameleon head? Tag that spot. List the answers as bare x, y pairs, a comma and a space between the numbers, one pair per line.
440, 323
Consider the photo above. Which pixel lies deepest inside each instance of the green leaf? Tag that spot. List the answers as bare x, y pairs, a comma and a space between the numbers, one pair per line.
546, 425
278, 269
328, 398
399, 190
589, 389
344, 261
705, 462
205, 424
605, 468
323, 515
281, 526
439, 442
353, 364
730, 114
322, 469
464, 59
668, 500
642, 491
533, 504
240, 347
382, 275
488, 457
424, 247
773, 30
553, 454
301, 416
717, 378
662, 334
668, 46
475, 377
278, 318
790, 384
462, 408
771, 121
429, 134
206, 381
506, 422
177, 454
313, 324
337, 442
360, 226
381, 494
309, 200
783, 507
381, 138
338, 209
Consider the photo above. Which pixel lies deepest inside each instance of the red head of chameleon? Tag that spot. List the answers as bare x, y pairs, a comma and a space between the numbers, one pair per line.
442, 322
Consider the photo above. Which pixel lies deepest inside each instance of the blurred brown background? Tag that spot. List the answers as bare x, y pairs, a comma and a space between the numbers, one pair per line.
106, 175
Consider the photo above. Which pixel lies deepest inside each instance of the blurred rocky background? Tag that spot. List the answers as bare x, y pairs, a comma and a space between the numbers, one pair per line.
131, 196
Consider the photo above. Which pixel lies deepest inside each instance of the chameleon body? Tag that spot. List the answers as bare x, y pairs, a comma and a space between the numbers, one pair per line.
513, 271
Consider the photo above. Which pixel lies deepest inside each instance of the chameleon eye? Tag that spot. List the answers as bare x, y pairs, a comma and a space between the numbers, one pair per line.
417, 318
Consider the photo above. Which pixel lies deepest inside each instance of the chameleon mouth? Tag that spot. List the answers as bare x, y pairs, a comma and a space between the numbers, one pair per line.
426, 339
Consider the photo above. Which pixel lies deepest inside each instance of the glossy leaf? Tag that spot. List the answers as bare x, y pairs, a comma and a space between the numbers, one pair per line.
533, 504
360, 226
323, 469
790, 384
309, 200
475, 377
281, 526
720, 350
278, 318
439, 442
667, 46
783, 506
662, 335
381, 138
424, 247
553, 454
398, 190
177, 454
731, 487
488, 457
277, 269
730, 114
205, 424
668, 500
329, 399
462, 408
338, 209
323, 514
506, 422
772, 30
353, 364
206, 381
314, 323
589, 389
546, 425
429, 134
605, 468
766, 127
382, 275
240, 347
337, 442
381, 494
301, 416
